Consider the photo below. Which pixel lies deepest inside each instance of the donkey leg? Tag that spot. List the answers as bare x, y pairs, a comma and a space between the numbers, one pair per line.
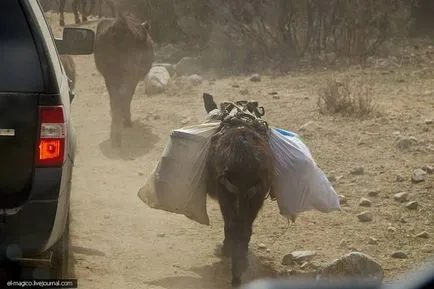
225, 200
232, 243
83, 10
116, 112
248, 212
116, 124
61, 11
127, 94
75, 8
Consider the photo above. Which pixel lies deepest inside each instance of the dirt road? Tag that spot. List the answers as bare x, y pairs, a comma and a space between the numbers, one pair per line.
118, 242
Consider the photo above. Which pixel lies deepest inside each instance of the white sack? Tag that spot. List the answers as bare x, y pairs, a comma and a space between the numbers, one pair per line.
299, 184
178, 183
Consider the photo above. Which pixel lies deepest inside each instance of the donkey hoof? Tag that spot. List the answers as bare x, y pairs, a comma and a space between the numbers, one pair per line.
236, 282
62, 23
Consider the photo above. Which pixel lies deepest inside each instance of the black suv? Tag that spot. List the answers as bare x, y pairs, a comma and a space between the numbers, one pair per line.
37, 141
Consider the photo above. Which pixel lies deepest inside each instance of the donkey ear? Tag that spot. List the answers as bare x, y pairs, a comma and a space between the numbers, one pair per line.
208, 101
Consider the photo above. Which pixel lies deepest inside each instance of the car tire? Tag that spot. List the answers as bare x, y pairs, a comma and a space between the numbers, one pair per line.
60, 261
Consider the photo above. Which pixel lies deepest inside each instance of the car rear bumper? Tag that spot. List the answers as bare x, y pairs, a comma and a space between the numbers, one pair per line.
38, 223
27, 232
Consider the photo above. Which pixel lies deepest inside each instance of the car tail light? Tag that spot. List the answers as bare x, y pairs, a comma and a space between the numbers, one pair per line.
52, 136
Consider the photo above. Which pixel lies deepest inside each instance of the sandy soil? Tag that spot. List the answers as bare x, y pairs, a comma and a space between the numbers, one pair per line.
118, 242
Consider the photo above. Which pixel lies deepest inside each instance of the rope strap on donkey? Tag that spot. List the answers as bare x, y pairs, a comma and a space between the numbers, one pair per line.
247, 114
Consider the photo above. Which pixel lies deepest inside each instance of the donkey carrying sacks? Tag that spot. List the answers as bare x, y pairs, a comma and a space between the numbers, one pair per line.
178, 183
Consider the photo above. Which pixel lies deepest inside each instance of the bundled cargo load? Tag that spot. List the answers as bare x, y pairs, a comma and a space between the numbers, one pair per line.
179, 182
299, 184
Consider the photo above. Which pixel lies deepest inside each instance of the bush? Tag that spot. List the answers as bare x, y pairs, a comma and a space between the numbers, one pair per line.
346, 98
276, 31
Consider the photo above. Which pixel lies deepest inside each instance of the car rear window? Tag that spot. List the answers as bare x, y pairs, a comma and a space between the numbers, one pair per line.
20, 68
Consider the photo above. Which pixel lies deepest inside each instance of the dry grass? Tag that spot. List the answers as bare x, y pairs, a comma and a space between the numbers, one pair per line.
348, 98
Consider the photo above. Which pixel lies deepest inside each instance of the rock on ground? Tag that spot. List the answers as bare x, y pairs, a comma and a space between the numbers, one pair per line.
412, 205
428, 169
373, 193
372, 241
364, 202
170, 67
195, 79
399, 255
365, 216
255, 78
406, 143
401, 197
358, 171
423, 235
342, 199
418, 176
354, 264
157, 80
298, 257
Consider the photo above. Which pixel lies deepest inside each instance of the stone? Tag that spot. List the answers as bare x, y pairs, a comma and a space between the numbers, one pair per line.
195, 79
343, 243
308, 266
287, 260
157, 80
401, 197
372, 241
188, 66
262, 246
429, 121
365, 202
342, 199
170, 67
161, 235
331, 179
255, 78
373, 193
365, 216
298, 257
418, 176
428, 169
273, 93
391, 229
399, 179
358, 171
406, 143
412, 205
428, 248
422, 235
276, 97
353, 265
244, 92
399, 255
